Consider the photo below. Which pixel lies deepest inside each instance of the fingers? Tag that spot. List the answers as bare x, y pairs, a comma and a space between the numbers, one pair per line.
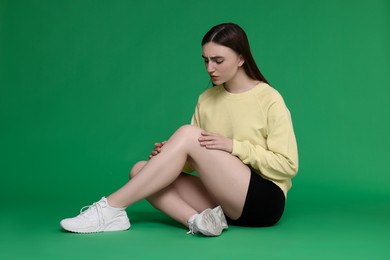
215, 142
204, 133
207, 136
157, 149
160, 144
210, 140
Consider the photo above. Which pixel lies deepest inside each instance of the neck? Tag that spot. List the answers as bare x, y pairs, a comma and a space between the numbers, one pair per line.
241, 82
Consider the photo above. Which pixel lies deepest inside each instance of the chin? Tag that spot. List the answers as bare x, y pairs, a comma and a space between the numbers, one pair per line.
217, 82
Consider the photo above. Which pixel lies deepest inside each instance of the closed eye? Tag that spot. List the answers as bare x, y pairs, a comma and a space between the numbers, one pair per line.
216, 59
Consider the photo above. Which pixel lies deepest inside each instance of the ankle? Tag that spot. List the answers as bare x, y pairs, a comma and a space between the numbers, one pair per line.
192, 218
113, 205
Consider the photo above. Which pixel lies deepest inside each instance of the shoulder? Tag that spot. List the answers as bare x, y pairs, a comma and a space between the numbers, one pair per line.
267, 96
272, 102
268, 92
210, 93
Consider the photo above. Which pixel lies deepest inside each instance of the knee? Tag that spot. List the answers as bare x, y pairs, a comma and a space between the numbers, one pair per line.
136, 168
189, 131
186, 135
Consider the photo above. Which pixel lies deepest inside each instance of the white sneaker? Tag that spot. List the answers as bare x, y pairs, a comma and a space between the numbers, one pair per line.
218, 210
98, 217
210, 222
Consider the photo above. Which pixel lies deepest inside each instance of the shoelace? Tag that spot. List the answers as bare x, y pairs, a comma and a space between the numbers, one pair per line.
192, 227
190, 232
86, 210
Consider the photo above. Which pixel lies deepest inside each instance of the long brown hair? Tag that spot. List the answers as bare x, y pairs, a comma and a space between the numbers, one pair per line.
233, 36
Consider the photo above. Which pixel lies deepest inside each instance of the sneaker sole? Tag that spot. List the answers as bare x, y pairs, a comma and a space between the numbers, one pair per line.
108, 228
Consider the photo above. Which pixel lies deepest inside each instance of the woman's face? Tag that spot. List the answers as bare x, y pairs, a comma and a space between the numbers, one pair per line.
222, 63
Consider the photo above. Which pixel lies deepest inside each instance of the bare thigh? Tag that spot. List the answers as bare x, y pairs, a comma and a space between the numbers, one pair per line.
188, 187
224, 176
226, 179
191, 190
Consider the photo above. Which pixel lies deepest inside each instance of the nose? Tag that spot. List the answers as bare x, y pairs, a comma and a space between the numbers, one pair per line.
210, 67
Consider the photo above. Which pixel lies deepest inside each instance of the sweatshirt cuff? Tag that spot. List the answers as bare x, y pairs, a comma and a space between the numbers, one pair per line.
238, 148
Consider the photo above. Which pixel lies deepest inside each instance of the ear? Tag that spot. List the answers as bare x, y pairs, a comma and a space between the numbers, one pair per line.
241, 61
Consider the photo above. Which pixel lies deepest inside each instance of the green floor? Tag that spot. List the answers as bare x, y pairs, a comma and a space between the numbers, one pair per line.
312, 228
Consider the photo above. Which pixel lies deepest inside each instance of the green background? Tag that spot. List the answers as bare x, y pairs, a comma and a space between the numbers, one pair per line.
87, 87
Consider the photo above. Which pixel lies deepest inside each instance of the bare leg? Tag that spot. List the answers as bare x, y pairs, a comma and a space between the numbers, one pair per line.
180, 200
225, 177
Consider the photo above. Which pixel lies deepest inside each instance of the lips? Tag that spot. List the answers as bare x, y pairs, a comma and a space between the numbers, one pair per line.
214, 77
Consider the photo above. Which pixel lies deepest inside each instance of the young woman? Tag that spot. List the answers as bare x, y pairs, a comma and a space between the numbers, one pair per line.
241, 143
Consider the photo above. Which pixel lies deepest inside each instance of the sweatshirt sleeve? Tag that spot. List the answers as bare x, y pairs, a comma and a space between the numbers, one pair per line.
277, 161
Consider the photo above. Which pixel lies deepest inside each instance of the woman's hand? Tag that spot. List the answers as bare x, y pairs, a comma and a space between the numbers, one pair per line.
216, 142
157, 149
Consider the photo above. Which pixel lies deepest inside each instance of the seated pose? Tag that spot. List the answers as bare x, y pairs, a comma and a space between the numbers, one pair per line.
240, 142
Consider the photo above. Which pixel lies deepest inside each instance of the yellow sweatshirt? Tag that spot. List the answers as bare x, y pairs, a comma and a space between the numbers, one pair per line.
260, 125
